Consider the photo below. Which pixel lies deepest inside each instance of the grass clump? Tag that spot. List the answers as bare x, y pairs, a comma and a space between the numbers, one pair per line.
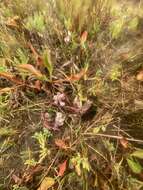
36, 22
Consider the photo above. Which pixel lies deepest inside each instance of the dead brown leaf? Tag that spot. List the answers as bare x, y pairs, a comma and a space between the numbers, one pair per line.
61, 144
124, 143
38, 85
13, 21
30, 172
72, 78
16, 179
46, 183
10, 77
77, 76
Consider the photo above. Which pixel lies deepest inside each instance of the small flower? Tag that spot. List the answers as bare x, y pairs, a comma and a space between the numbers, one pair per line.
59, 99
59, 119
67, 39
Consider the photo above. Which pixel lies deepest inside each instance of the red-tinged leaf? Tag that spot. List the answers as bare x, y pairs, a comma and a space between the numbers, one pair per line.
83, 37
40, 61
10, 77
62, 168
38, 85
13, 21
6, 75
61, 144
124, 142
72, 78
76, 77
16, 179
139, 76
125, 56
36, 55
31, 69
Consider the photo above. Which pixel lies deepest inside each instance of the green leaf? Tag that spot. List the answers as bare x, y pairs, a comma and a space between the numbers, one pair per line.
138, 153
23, 58
48, 63
3, 67
96, 130
36, 22
134, 166
85, 164
133, 23
116, 28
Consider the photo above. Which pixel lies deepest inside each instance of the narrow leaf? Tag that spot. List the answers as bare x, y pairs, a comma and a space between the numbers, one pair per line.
31, 69
10, 77
134, 166
62, 168
36, 55
73, 78
6, 90
48, 63
138, 154
83, 37
77, 76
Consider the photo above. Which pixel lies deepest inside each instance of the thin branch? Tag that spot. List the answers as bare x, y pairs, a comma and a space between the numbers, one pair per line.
114, 137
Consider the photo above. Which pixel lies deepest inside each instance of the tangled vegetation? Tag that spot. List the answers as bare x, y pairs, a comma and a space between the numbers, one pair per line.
71, 103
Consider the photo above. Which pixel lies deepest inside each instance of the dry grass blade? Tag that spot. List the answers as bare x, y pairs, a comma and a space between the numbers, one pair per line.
6, 90
114, 137
31, 69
